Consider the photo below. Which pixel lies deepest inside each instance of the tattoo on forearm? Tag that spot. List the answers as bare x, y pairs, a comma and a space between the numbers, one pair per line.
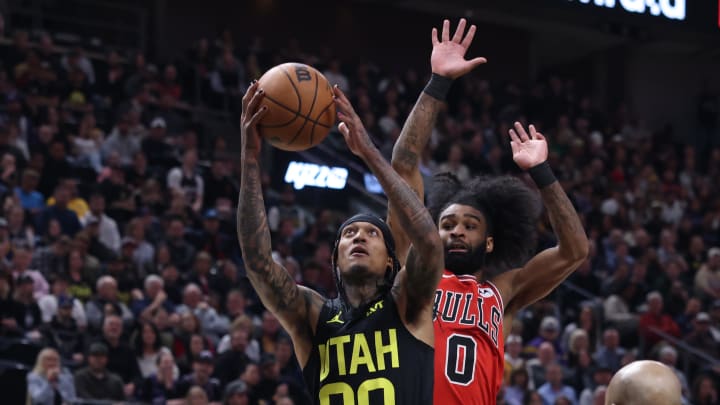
424, 262
273, 283
563, 217
412, 215
416, 132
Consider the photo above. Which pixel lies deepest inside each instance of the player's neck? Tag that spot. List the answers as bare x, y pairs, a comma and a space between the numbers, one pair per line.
359, 295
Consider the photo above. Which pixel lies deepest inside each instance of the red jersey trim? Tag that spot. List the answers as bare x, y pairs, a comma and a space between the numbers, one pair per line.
497, 293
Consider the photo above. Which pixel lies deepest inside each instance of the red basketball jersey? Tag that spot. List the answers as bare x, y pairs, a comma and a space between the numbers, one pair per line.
469, 349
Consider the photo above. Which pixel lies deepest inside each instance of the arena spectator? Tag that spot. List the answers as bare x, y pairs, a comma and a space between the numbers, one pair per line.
97, 382
50, 383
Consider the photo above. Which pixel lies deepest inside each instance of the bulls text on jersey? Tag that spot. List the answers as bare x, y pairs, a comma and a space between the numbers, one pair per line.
461, 308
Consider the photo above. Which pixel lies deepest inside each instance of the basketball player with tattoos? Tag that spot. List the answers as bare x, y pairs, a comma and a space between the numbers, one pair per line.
374, 343
487, 227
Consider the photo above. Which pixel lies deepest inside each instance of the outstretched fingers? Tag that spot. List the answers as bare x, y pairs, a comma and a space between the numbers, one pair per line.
534, 134
521, 132
344, 108
252, 106
467, 41
446, 30
459, 31
249, 94
434, 38
259, 114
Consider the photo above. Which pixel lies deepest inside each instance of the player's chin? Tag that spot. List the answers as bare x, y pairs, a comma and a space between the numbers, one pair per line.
358, 273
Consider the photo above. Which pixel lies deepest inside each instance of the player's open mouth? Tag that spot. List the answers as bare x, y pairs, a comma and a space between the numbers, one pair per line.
457, 248
358, 251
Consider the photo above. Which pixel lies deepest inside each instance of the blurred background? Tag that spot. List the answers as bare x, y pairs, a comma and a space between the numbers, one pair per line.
119, 144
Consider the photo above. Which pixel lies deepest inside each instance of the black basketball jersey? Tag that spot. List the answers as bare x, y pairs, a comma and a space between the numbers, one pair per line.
368, 358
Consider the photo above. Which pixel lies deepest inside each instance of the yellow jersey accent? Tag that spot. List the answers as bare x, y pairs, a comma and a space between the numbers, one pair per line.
378, 305
336, 318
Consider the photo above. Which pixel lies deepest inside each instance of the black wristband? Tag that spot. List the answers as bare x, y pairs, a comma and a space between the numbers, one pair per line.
438, 86
542, 174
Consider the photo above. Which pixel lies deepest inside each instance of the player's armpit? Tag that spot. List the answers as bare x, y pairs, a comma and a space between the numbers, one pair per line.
549, 268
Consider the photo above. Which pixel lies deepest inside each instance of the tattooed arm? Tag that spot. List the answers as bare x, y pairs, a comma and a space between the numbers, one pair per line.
549, 268
423, 269
448, 62
296, 307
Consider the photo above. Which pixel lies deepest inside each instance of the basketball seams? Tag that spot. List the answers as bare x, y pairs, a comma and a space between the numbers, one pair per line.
312, 105
323, 111
284, 124
296, 112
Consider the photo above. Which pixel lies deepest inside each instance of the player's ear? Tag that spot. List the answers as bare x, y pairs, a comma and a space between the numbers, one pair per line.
489, 244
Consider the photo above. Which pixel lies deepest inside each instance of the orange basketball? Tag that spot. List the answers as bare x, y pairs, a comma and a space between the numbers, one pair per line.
300, 104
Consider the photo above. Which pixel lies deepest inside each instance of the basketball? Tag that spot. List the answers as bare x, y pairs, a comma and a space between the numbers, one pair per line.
301, 109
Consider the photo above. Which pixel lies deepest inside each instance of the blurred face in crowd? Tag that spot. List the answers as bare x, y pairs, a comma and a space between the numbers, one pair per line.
75, 260
108, 290
203, 263
668, 357
62, 196
21, 258
59, 287
29, 181
50, 360
251, 375
714, 261
655, 304
514, 348
16, 218
602, 377
57, 151
212, 225
554, 374
188, 322
113, 327
197, 344
65, 313
235, 303
176, 229
239, 340
97, 204
166, 362
197, 396
148, 335
192, 296
270, 324
203, 370
611, 339
284, 351
190, 158
97, 362
238, 398
546, 353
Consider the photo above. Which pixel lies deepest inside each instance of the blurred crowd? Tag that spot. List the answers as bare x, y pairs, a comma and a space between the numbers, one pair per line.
119, 258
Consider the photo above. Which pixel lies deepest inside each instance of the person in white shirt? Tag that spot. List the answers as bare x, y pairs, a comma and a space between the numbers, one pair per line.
186, 181
49, 303
108, 232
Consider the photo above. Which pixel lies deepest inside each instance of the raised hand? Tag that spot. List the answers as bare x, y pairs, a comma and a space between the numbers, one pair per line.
528, 150
448, 54
252, 113
351, 127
